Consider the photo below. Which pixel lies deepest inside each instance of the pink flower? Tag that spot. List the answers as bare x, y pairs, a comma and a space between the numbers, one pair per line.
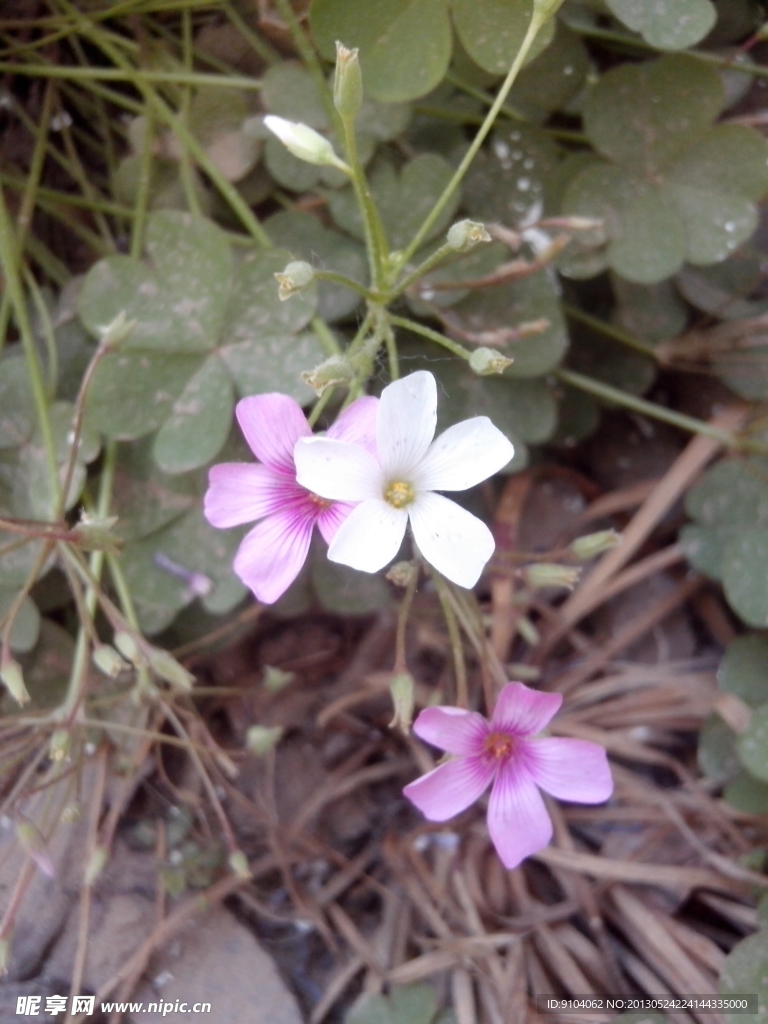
270, 557
506, 753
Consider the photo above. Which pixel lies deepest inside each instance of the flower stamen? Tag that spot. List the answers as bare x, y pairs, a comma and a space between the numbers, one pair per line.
500, 745
399, 494
322, 503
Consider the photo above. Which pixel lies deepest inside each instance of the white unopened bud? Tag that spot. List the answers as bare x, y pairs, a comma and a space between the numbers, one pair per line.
239, 864
13, 677
276, 679
466, 234
296, 276
260, 739
305, 143
487, 361
114, 333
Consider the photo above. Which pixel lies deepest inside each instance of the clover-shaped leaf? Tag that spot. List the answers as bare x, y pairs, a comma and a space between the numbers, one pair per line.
207, 326
671, 187
744, 971
667, 24
26, 627
729, 538
405, 45
743, 669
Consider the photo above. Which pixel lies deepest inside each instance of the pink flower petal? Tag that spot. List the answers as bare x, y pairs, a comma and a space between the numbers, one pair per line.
452, 729
570, 769
270, 557
518, 821
450, 788
331, 518
524, 712
272, 424
406, 422
357, 424
242, 492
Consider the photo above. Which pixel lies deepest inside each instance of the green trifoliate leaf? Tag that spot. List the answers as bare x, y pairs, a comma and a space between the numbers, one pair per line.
200, 314
291, 92
405, 45
492, 31
744, 971
667, 24
671, 187
26, 628
743, 669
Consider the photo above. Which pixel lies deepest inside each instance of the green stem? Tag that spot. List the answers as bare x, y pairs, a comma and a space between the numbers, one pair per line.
676, 419
132, 75
8, 259
439, 257
462, 690
401, 664
610, 331
347, 282
469, 156
319, 406
326, 336
427, 332
259, 46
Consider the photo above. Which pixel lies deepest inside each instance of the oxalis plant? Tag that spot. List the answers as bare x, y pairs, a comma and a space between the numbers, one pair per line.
200, 331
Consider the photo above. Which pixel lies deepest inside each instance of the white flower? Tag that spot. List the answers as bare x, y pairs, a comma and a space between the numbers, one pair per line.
304, 142
400, 485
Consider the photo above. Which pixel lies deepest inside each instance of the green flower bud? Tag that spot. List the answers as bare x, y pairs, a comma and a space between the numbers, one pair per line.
106, 658
296, 276
96, 864
239, 864
60, 745
260, 739
33, 844
305, 143
487, 361
94, 533
402, 689
334, 371
466, 234
276, 679
527, 630
402, 573
13, 677
347, 83
165, 665
128, 647
549, 574
593, 544
115, 333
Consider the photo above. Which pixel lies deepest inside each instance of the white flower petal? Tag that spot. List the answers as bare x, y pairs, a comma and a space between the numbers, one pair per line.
405, 424
337, 469
464, 455
370, 537
457, 543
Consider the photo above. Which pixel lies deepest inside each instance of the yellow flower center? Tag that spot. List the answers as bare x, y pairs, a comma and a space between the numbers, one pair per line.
399, 494
323, 503
499, 744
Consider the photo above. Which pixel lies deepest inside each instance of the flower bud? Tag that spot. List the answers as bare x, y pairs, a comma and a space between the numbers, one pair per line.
239, 864
33, 844
549, 574
96, 864
402, 573
128, 647
335, 370
466, 234
165, 665
60, 745
115, 333
106, 658
402, 690
13, 677
94, 533
527, 630
304, 142
276, 679
593, 544
487, 361
347, 83
296, 276
260, 739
